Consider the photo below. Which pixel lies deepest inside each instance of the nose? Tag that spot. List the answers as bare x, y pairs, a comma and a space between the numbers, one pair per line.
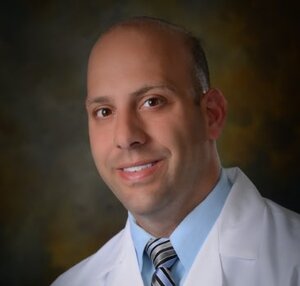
129, 131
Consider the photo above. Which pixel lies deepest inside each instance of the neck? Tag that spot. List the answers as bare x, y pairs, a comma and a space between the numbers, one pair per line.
162, 224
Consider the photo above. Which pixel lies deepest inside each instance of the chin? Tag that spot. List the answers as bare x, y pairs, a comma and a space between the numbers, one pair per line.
141, 208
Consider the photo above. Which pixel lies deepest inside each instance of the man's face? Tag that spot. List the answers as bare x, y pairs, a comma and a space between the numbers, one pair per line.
148, 137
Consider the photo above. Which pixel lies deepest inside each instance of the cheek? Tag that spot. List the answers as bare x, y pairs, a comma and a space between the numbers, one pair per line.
99, 144
187, 141
174, 137
166, 133
181, 130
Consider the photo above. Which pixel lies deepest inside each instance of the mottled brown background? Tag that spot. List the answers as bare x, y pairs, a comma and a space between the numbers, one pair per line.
54, 208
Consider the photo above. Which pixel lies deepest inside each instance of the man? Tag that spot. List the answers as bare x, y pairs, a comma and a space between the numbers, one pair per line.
153, 125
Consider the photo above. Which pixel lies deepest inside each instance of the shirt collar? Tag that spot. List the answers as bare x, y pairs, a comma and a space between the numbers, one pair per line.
190, 234
140, 238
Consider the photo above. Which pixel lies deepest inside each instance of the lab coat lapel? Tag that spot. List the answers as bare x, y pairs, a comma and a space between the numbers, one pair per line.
241, 218
126, 271
207, 270
232, 244
240, 231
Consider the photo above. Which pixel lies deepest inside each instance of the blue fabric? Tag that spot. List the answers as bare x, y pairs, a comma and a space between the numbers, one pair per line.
188, 237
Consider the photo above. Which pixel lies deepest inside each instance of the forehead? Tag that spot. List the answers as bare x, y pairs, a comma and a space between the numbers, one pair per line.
127, 55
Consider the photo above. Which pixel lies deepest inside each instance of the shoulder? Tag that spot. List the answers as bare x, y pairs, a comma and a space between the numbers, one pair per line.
255, 229
280, 243
285, 223
278, 225
95, 266
246, 201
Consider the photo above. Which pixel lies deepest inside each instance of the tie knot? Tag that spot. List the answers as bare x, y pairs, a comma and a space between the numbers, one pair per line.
161, 252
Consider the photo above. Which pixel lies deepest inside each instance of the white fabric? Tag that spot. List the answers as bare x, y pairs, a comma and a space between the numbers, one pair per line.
253, 242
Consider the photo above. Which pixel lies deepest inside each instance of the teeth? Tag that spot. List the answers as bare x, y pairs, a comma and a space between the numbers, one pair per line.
137, 168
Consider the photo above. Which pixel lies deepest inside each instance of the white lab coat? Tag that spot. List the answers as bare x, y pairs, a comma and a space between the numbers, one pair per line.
254, 242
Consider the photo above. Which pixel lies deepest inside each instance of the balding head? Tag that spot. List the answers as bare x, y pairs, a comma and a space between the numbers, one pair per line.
181, 38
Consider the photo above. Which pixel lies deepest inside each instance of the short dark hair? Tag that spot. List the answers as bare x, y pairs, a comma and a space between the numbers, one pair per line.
200, 71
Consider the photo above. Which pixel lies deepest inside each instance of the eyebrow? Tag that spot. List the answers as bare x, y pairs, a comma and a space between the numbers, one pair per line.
139, 92
147, 88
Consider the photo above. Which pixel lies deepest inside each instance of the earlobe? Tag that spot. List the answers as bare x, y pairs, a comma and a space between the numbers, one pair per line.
215, 109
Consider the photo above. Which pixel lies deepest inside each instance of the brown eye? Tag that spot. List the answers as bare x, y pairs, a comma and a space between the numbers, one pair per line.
153, 101
103, 112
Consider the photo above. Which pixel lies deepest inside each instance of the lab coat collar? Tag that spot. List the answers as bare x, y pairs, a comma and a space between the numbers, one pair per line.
242, 217
124, 269
234, 237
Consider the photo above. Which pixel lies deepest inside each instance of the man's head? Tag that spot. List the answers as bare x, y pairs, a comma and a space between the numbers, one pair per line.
152, 143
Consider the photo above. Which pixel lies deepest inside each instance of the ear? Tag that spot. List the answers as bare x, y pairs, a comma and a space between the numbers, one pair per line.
214, 107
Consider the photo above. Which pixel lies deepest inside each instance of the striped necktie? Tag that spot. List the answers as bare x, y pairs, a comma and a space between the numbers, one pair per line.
163, 257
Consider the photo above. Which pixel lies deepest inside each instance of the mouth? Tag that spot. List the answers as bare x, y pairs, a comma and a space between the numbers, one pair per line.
139, 171
138, 168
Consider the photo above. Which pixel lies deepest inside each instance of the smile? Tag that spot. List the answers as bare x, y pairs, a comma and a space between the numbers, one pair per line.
138, 168
139, 172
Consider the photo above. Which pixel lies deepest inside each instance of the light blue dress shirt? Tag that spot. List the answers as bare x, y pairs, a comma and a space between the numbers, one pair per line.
188, 237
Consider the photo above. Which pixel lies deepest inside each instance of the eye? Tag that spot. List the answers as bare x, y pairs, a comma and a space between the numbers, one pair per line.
103, 112
153, 101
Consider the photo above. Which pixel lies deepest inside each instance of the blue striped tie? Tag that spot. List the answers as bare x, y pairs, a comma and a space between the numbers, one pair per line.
163, 257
